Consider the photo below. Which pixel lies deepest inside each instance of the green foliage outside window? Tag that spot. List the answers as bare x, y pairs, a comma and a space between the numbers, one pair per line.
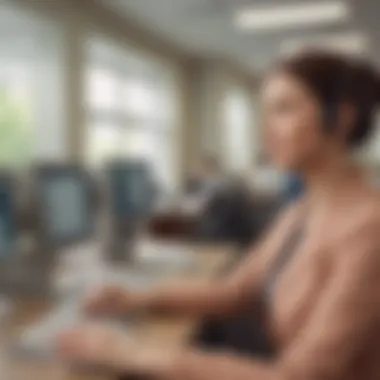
15, 132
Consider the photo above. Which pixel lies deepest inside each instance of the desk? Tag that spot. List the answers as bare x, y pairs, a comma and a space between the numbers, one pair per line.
174, 331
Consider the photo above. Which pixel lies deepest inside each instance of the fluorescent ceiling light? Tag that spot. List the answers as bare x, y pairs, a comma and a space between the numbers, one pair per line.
292, 15
349, 42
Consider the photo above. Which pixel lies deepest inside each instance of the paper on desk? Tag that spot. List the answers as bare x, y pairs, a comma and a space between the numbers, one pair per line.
39, 341
166, 256
129, 279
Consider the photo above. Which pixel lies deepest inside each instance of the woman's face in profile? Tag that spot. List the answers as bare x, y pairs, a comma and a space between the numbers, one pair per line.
292, 120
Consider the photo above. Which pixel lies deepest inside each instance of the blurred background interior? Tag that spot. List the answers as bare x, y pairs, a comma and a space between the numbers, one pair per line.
123, 120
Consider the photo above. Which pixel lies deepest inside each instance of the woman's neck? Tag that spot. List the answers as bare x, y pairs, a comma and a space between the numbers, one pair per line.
331, 180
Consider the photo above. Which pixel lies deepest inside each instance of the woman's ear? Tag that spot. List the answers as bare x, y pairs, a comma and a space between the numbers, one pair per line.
347, 117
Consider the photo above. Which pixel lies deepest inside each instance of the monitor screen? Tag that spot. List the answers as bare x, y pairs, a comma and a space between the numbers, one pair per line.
66, 207
7, 220
130, 190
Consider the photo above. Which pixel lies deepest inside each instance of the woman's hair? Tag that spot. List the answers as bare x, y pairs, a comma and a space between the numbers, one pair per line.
336, 80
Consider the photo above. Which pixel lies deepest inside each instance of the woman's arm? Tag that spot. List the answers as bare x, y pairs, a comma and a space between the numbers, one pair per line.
338, 332
338, 336
218, 298
230, 294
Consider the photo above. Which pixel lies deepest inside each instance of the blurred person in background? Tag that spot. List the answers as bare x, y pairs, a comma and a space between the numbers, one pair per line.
315, 275
205, 176
204, 181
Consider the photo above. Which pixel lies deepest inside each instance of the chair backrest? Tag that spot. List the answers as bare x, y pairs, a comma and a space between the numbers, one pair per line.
227, 216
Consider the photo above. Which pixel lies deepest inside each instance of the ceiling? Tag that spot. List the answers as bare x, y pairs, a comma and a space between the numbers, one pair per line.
19, 31
205, 27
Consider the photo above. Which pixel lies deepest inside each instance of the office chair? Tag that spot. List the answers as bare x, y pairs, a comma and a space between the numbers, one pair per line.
227, 216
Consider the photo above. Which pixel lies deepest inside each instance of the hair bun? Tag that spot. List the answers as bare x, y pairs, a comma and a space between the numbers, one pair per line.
365, 93
336, 79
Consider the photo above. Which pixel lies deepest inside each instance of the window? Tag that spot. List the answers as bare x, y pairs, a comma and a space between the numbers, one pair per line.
15, 114
131, 110
138, 99
105, 140
31, 112
103, 90
237, 134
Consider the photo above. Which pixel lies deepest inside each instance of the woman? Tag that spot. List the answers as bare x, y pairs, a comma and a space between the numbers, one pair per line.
318, 269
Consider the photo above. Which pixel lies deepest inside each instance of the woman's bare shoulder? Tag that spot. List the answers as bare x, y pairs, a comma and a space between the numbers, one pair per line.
367, 222
293, 211
363, 233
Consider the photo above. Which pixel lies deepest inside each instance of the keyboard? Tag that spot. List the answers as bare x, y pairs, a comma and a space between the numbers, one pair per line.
38, 341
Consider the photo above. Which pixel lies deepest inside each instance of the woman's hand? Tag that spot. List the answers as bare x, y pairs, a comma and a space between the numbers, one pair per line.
113, 351
111, 301
96, 346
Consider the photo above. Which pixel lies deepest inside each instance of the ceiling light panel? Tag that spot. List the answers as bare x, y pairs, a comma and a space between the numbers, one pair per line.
349, 42
292, 15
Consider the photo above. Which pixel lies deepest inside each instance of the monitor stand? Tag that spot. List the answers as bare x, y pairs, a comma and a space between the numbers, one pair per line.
121, 242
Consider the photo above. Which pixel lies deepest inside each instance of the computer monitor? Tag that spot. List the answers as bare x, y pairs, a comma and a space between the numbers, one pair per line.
64, 204
8, 224
130, 190
130, 194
